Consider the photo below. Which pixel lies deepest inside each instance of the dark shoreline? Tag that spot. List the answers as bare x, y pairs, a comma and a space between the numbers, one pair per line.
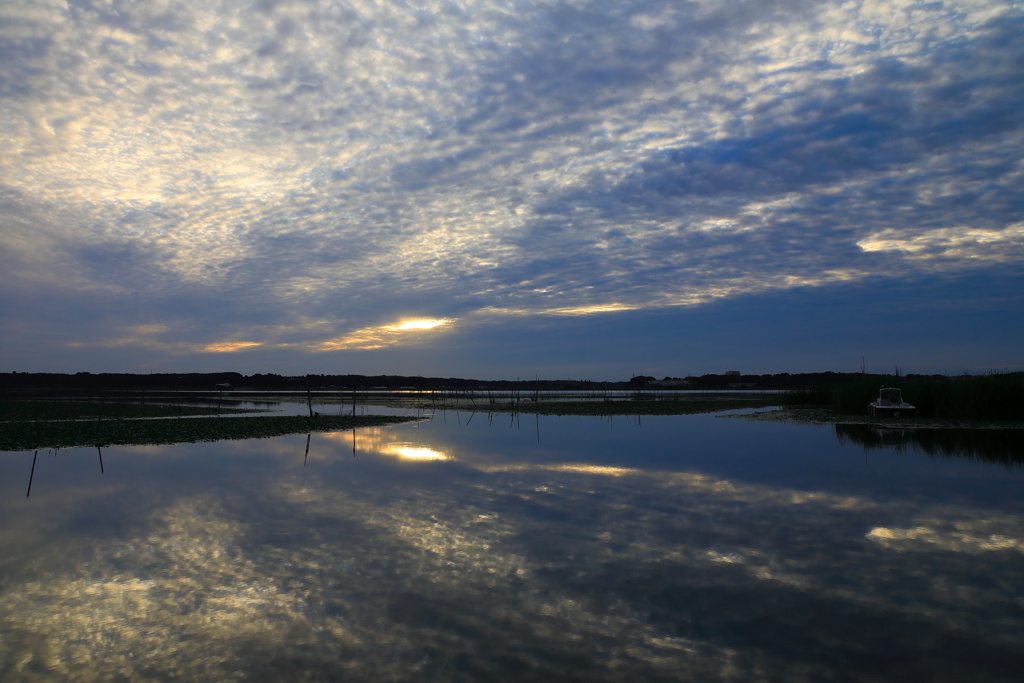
53, 434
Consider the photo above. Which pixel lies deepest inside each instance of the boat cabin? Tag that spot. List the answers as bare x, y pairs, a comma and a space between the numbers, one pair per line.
890, 403
890, 397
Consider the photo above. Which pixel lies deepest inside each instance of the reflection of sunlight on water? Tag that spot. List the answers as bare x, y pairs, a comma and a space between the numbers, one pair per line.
411, 452
377, 440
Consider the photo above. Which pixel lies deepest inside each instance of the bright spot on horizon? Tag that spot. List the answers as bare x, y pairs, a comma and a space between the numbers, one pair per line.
422, 324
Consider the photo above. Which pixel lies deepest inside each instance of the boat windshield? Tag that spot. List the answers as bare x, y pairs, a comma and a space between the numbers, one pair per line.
891, 395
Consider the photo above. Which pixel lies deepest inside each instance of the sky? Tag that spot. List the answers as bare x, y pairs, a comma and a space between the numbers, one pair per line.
553, 189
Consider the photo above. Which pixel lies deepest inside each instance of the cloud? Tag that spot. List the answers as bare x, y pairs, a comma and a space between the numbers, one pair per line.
998, 245
228, 347
355, 163
381, 336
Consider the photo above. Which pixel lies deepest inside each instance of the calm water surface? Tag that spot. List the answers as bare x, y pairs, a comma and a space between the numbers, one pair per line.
687, 548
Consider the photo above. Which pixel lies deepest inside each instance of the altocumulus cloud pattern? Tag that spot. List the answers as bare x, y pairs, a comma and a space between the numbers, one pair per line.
309, 177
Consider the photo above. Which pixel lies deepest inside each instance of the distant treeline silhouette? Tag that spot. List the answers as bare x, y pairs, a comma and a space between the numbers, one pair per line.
85, 381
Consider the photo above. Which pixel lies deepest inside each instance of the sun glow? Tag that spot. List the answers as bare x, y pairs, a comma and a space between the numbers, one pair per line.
383, 335
421, 324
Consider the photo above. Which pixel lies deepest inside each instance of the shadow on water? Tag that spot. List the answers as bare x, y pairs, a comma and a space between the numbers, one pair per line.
1002, 446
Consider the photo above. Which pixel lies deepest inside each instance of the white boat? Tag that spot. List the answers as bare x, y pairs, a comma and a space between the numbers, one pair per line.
890, 403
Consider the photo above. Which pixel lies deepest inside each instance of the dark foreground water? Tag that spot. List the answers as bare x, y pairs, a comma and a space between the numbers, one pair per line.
688, 548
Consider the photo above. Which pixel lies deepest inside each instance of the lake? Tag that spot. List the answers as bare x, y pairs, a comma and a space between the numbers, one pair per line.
665, 548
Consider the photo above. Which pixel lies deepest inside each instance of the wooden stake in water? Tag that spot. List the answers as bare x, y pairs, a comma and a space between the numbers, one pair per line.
32, 474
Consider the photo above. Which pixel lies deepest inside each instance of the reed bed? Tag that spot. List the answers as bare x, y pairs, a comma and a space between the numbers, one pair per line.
661, 407
995, 396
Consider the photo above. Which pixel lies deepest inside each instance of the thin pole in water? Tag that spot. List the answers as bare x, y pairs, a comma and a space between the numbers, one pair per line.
101, 459
32, 474
306, 457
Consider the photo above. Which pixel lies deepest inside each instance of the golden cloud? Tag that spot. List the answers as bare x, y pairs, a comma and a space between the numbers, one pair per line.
228, 347
380, 336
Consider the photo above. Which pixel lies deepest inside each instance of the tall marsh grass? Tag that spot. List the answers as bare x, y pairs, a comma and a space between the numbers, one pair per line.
814, 396
995, 396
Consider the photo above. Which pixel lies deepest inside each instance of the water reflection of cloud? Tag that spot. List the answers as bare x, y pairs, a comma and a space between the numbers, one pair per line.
574, 533
699, 482
620, 573
956, 535
169, 601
